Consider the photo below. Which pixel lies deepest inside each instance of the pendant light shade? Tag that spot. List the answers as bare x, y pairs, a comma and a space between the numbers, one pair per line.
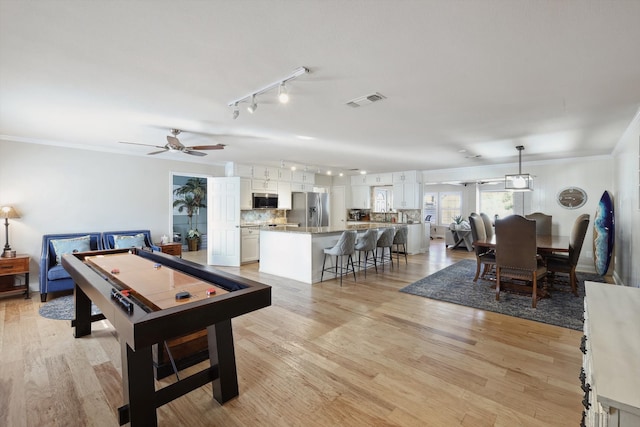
520, 181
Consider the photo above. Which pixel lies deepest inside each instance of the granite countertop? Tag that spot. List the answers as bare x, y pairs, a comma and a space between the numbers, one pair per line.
325, 230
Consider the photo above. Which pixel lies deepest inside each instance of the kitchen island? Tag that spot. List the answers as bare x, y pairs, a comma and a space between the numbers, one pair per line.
297, 252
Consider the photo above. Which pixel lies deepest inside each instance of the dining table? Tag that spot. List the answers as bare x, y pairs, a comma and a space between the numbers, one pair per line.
544, 243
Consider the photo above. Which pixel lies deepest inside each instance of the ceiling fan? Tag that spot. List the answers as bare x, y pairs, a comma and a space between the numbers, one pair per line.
174, 144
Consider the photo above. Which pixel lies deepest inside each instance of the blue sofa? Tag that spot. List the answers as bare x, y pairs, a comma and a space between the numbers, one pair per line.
52, 276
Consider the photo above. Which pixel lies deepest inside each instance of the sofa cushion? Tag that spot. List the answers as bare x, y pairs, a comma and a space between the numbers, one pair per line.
67, 246
56, 273
122, 242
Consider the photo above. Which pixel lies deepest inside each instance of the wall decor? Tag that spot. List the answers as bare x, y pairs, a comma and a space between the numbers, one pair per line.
572, 197
603, 234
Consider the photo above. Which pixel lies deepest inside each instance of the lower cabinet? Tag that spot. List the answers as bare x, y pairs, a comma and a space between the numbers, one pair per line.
250, 246
611, 356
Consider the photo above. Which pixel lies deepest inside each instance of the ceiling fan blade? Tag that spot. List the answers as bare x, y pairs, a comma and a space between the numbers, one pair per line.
207, 147
193, 153
157, 152
137, 143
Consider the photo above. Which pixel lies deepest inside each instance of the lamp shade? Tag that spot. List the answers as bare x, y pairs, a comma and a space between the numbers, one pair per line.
8, 212
518, 182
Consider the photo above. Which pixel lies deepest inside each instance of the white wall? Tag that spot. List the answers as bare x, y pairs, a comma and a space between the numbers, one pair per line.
64, 190
627, 206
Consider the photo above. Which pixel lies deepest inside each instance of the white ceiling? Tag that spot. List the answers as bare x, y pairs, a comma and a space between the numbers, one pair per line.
560, 77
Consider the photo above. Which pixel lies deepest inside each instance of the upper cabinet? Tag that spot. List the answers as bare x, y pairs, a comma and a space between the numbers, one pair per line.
379, 179
235, 169
359, 180
245, 194
301, 186
264, 172
407, 176
406, 196
360, 197
304, 177
284, 174
265, 185
284, 195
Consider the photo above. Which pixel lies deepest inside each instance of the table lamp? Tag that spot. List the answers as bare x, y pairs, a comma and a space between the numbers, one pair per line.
7, 212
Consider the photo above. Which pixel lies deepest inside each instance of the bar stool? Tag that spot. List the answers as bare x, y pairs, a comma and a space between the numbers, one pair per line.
366, 244
344, 247
400, 239
385, 240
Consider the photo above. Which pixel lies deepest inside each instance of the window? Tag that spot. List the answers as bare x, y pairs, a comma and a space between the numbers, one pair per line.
450, 206
499, 203
383, 199
430, 212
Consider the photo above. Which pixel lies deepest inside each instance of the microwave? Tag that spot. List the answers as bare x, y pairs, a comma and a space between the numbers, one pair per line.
265, 201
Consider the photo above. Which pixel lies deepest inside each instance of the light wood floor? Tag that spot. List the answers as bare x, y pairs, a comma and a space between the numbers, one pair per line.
361, 355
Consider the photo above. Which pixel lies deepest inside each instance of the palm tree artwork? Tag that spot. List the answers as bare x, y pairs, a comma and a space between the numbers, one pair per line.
190, 198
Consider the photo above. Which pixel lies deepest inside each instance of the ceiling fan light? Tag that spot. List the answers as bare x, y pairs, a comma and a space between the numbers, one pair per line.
253, 106
283, 95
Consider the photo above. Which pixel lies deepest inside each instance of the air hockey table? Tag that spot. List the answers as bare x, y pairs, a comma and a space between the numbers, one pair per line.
150, 297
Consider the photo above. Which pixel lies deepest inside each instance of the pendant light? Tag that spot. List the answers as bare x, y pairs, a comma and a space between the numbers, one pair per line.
520, 181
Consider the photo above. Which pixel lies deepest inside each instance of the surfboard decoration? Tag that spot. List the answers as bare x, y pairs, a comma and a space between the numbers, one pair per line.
603, 234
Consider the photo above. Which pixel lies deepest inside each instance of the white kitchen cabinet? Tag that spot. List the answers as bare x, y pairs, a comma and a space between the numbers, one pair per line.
415, 239
379, 179
359, 180
245, 194
301, 186
235, 169
407, 176
360, 197
284, 174
284, 195
264, 185
250, 247
265, 172
610, 362
304, 177
406, 196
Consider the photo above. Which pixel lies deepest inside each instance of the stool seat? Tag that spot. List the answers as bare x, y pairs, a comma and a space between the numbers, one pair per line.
345, 247
400, 239
385, 241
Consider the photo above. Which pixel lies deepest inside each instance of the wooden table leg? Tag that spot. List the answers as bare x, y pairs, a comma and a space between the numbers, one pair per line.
82, 322
138, 388
222, 354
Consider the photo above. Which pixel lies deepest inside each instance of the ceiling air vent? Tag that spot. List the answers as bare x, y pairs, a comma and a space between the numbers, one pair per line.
366, 100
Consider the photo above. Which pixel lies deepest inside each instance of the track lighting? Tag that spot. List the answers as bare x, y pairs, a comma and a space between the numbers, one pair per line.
283, 93
253, 107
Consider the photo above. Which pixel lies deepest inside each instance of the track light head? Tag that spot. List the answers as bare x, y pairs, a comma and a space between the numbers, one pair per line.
236, 111
283, 95
253, 106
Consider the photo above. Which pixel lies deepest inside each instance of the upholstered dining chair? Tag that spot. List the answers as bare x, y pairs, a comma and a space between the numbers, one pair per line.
516, 254
543, 223
561, 263
367, 244
488, 225
484, 256
345, 247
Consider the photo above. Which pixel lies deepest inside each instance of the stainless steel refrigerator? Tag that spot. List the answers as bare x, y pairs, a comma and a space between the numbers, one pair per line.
309, 209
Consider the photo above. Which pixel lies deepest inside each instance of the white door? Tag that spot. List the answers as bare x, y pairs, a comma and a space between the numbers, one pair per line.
223, 222
338, 210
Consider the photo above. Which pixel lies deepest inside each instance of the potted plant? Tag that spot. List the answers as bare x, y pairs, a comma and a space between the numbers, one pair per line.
190, 199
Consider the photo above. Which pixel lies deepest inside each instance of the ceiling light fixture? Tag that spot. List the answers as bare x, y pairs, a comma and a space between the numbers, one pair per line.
283, 95
521, 181
253, 107
236, 111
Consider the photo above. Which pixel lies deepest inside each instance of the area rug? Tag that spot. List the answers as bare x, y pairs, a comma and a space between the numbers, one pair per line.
62, 308
454, 284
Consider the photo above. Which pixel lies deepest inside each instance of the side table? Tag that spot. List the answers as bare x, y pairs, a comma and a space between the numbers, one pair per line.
10, 267
171, 248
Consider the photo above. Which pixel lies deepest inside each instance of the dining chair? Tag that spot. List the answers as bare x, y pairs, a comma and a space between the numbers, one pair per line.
488, 225
484, 256
561, 263
516, 254
543, 223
